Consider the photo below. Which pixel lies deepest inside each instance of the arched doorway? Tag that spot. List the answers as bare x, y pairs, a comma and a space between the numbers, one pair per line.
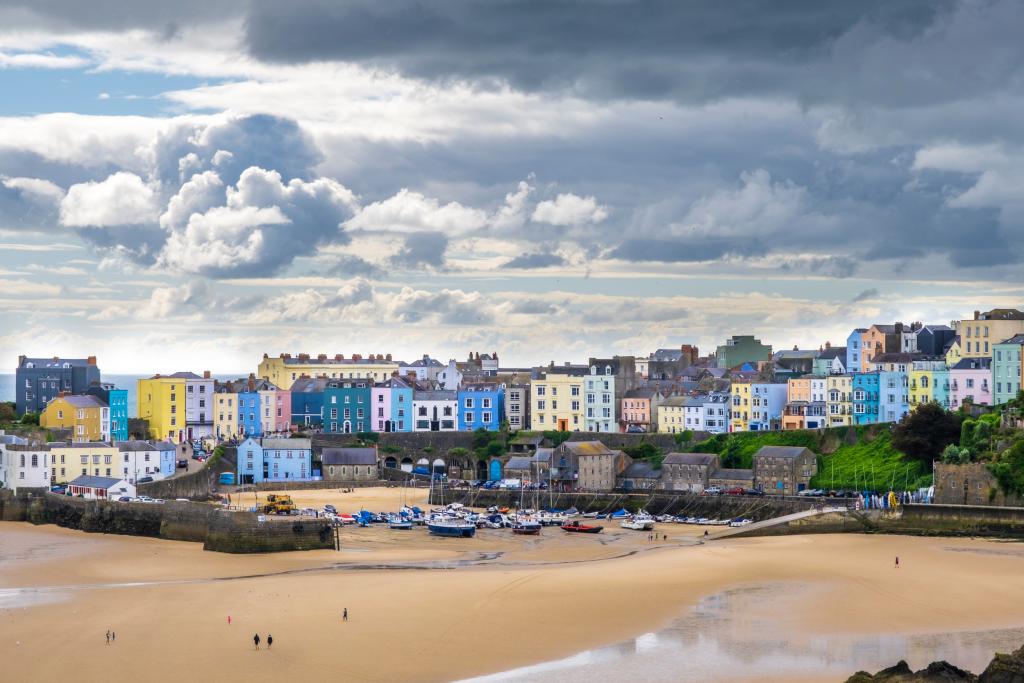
495, 470
347, 427
438, 466
391, 462
406, 465
481, 470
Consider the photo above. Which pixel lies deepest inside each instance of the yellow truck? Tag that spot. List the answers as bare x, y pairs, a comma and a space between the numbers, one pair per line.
278, 504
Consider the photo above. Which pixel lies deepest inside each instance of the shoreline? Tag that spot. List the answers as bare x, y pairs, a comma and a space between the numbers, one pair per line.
517, 602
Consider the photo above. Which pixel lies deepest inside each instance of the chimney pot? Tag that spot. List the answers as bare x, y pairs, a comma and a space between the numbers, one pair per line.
206, 374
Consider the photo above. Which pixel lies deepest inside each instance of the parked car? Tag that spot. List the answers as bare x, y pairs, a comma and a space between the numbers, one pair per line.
182, 463
712, 491
59, 489
124, 499
734, 491
490, 484
753, 492
144, 480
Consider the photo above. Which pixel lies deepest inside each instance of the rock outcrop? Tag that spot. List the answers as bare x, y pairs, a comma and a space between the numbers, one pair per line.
1004, 668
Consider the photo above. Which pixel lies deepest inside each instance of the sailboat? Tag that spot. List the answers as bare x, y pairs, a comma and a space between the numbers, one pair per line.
446, 524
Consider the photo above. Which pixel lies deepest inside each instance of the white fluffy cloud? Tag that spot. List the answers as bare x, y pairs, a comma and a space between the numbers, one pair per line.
263, 224
310, 305
40, 60
570, 209
409, 211
122, 199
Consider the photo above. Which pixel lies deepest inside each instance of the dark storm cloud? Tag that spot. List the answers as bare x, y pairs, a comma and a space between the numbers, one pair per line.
535, 260
104, 15
422, 250
866, 295
700, 50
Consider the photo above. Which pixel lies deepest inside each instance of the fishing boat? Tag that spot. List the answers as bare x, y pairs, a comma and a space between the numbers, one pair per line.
400, 524
526, 527
451, 527
638, 522
740, 521
578, 528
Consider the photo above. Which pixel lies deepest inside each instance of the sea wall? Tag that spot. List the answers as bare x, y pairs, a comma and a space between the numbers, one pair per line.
198, 485
838, 522
690, 505
216, 529
957, 520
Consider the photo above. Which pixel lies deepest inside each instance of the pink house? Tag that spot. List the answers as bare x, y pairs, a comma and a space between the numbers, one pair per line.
380, 406
970, 380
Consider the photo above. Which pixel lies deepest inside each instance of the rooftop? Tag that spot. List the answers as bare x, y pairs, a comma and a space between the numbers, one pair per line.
689, 459
587, 448
94, 482
780, 452
349, 456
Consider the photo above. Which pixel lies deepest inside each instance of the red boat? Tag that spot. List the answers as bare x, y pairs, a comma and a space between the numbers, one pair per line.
578, 528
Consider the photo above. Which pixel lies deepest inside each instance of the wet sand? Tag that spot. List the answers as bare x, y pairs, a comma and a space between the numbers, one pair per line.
447, 609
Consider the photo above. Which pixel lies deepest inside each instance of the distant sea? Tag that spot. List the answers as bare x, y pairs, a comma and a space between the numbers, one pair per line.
128, 382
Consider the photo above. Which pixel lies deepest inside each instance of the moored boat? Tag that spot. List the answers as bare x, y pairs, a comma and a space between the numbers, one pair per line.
400, 524
578, 528
526, 528
638, 522
456, 528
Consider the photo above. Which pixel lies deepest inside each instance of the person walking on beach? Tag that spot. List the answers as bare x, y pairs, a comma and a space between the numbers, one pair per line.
270, 640
229, 620
108, 636
344, 614
113, 636
897, 562
256, 640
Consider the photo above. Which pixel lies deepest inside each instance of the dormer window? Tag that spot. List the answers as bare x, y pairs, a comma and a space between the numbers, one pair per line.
607, 369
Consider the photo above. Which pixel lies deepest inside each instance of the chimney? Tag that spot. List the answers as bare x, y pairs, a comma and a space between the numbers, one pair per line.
264, 356
56, 359
21, 360
321, 356
287, 356
356, 356
206, 374
387, 357
795, 348
337, 356
977, 315
828, 345
91, 360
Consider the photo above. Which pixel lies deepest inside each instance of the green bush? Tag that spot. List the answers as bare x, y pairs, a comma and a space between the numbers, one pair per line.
1008, 468
556, 437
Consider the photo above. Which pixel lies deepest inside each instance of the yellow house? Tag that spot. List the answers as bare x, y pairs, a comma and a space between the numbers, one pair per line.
954, 354
928, 382
71, 460
556, 400
285, 369
672, 415
978, 334
839, 400
739, 415
85, 415
225, 411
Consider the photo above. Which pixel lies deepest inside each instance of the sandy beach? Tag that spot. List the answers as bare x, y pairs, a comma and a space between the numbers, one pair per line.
432, 609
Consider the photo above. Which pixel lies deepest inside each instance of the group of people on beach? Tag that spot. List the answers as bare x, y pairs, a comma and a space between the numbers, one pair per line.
256, 637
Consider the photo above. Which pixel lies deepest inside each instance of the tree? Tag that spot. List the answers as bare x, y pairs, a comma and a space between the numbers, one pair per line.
481, 437
138, 428
925, 433
458, 452
955, 455
1009, 468
30, 419
683, 437
731, 457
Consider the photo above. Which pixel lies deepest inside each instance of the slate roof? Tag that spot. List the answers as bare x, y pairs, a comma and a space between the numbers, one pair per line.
641, 470
136, 445
1015, 339
178, 375
977, 363
309, 385
527, 440
164, 446
84, 401
833, 352
587, 448
435, 395
642, 392
519, 463
94, 482
543, 455
54, 362
725, 473
690, 459
349, 456
287, 444
781, 451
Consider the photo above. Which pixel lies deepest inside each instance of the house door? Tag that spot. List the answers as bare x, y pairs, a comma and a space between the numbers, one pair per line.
495, 470
563, 425
266, 470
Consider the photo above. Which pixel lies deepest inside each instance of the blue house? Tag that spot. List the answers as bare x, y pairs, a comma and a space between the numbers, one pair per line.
854, 350
865, 397
38, 380
274, 460
481, 406
308, 401
249, 422
401, 405
117, 402
347, 406
893, 400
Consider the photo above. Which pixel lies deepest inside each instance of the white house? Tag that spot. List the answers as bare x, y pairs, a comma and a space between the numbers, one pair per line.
599, 400
693, 413
199, 405
426, 369
100, 488
24, 465
450, 378
435, 411
145, 459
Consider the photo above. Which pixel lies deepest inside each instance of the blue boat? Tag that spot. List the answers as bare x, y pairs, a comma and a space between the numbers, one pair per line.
402, 524
456, 528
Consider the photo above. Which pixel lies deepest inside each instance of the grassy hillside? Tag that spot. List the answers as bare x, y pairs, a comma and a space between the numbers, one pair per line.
848, 458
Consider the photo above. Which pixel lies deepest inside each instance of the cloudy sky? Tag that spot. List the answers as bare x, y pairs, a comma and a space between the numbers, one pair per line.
190, 184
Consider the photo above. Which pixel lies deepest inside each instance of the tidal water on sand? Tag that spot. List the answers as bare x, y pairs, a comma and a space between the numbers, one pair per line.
738, 636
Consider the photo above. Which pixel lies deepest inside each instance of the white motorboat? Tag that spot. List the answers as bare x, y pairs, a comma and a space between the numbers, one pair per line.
638, 522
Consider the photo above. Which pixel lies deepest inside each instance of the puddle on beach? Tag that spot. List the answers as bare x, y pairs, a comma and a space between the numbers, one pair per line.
732, 636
